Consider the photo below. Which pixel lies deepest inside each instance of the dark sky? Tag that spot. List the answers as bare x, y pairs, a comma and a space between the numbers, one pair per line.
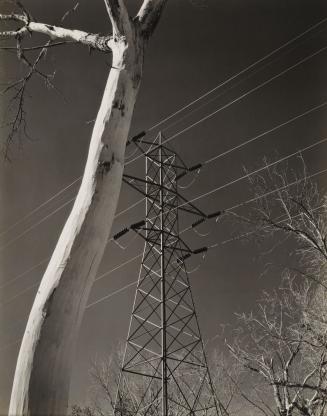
198, 44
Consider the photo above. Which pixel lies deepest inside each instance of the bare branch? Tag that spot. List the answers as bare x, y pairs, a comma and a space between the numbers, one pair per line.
18, 88
69, 12
302, 386
91, 40
246, 397
118, 14
149, 15
37, 47
58, 36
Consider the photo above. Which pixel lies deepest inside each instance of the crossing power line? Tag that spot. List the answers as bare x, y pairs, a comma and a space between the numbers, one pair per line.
206, 162
211, 247
231, 87
46, 202
246, 94
216, 189
233, 77
175, 113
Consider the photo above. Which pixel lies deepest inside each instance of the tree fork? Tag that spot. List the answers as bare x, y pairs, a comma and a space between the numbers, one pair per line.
43, 371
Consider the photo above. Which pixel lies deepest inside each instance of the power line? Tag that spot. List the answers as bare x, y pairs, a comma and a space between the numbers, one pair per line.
48, 258
224, 186
11, 344
181, 132
118, 267
206, 162
210, 247
259, 136
36, 224
8, 301
13, 240
122, 289
24, 273
226, 90
42, 262
111, 294
98, 278
275, 190
216, 245
61, 191
34, 285
16, 324
239, 237
115, 292
240, 178
162, 121
231, 78
247, 175
241, 97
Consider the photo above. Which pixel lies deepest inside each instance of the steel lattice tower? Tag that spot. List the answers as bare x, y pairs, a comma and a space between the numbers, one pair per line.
164, 370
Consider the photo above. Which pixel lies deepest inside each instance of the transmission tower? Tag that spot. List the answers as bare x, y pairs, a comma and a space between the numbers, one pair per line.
164, 370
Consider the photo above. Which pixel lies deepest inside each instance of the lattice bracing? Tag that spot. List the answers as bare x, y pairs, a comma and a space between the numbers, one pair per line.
164, 369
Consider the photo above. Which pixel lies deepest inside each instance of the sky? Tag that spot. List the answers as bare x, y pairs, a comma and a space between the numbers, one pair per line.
198, 44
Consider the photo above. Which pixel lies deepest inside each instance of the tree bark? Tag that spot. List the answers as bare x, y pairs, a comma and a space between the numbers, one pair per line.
42, 378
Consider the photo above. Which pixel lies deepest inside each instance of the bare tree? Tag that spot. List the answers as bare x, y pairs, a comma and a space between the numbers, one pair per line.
229, 381
42, 378
288, 206
281, 349
283, 344
104, 374
104, 391
82, 411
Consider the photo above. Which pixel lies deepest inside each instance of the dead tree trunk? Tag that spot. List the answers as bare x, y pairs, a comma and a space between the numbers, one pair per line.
42, 378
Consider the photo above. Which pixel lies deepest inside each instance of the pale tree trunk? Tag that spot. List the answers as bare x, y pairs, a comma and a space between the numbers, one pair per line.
43, 371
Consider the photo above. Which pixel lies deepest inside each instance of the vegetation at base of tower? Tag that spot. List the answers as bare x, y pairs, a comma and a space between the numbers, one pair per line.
104, 381
82, 411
